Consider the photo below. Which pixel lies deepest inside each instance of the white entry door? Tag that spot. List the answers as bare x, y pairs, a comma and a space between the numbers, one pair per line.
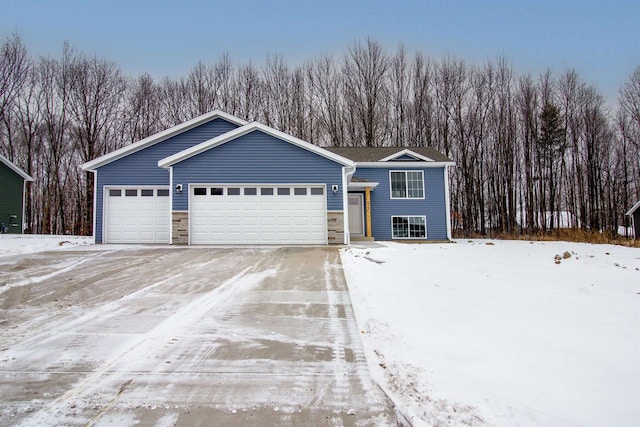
356, 215
257, 214
136, 215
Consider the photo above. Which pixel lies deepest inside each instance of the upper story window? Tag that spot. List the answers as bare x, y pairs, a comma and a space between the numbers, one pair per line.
407, 184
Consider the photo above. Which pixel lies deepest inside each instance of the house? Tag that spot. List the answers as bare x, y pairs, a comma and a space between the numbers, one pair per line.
217, 179
12, 187
634, 213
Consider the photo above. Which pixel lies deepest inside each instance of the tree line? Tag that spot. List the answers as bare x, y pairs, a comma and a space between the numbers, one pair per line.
532, 153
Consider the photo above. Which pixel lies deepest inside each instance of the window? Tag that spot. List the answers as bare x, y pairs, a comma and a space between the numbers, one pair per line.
216, 191
131, 193
233, 191
317, 191
300, 191
283, 191
266, 191
250, 191
163, 193
407, 184
146, 193
199, 191
409, 227
115, 193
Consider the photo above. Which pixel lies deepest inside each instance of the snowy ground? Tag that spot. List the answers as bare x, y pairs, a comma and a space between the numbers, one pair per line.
112, 335
499, 333
16, 244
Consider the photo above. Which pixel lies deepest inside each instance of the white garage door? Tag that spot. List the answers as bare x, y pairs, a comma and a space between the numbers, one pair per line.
252, 214
137, 215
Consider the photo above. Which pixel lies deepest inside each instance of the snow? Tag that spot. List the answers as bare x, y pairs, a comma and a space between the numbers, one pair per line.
17, 244
502, 333
477, 332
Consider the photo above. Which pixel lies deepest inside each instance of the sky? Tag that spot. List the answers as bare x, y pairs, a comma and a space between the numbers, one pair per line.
599, 39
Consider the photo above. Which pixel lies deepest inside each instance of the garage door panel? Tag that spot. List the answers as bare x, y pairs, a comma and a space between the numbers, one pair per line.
274, 216
137, 218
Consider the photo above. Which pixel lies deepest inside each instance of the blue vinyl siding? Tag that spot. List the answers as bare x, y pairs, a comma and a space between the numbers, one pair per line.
257, 158
141, 167
383, 207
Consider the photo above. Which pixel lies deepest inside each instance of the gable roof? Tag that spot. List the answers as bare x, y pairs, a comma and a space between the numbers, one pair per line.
15, 168
161, 136
253, 126
633, 209
382, 154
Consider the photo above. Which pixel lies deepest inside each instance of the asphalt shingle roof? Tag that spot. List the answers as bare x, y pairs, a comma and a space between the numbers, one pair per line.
374, 154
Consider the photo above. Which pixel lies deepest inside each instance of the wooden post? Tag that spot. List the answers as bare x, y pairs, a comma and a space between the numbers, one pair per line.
367, 197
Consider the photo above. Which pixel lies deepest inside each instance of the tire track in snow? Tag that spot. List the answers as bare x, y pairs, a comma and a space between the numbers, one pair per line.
37, 279
175, 323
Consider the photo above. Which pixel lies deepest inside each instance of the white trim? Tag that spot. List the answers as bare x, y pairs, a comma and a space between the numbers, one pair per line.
236, 133
15, 168
406, 164
24, 189
424, 189
347, 174
362, 185
447, 202
161, 136
105, 195
171, 190
633, 209
409, 238
407, 152
95, 207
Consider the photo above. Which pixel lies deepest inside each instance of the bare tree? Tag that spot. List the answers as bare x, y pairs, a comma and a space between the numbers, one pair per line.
365, 85
95, 99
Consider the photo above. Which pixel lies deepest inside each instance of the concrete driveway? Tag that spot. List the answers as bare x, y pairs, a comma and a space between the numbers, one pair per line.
182, 336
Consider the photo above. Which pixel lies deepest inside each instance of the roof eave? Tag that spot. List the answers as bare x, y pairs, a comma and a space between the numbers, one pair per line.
408, 152
159, 137
633, 209
401, 164
15, 168
167, 162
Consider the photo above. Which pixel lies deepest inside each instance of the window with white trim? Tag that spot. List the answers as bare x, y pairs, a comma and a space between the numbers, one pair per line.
409, 227
407, 184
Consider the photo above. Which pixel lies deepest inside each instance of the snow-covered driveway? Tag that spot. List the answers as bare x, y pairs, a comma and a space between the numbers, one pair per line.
193, 336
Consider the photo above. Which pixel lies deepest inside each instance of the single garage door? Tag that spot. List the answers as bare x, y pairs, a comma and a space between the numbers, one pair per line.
137, 215
258, 214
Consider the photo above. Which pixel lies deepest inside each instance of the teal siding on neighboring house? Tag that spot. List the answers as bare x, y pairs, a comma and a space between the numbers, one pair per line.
141, 167
258, 158
11, 199
433, 206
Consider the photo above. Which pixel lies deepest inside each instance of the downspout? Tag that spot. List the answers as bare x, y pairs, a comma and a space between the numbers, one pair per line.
24, 190
171, 205
347, 173
95, 206
447, 201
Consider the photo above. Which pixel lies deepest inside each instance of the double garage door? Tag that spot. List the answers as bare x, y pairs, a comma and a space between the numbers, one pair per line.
252, 214
137, 215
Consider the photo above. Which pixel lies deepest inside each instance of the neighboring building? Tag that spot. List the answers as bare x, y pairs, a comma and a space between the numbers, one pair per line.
634, 213
12, 186
217, 179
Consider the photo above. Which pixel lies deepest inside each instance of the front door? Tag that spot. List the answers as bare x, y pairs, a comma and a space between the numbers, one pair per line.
356, 215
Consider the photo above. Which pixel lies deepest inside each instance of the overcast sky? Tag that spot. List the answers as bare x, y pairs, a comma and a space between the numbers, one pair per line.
599, 39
